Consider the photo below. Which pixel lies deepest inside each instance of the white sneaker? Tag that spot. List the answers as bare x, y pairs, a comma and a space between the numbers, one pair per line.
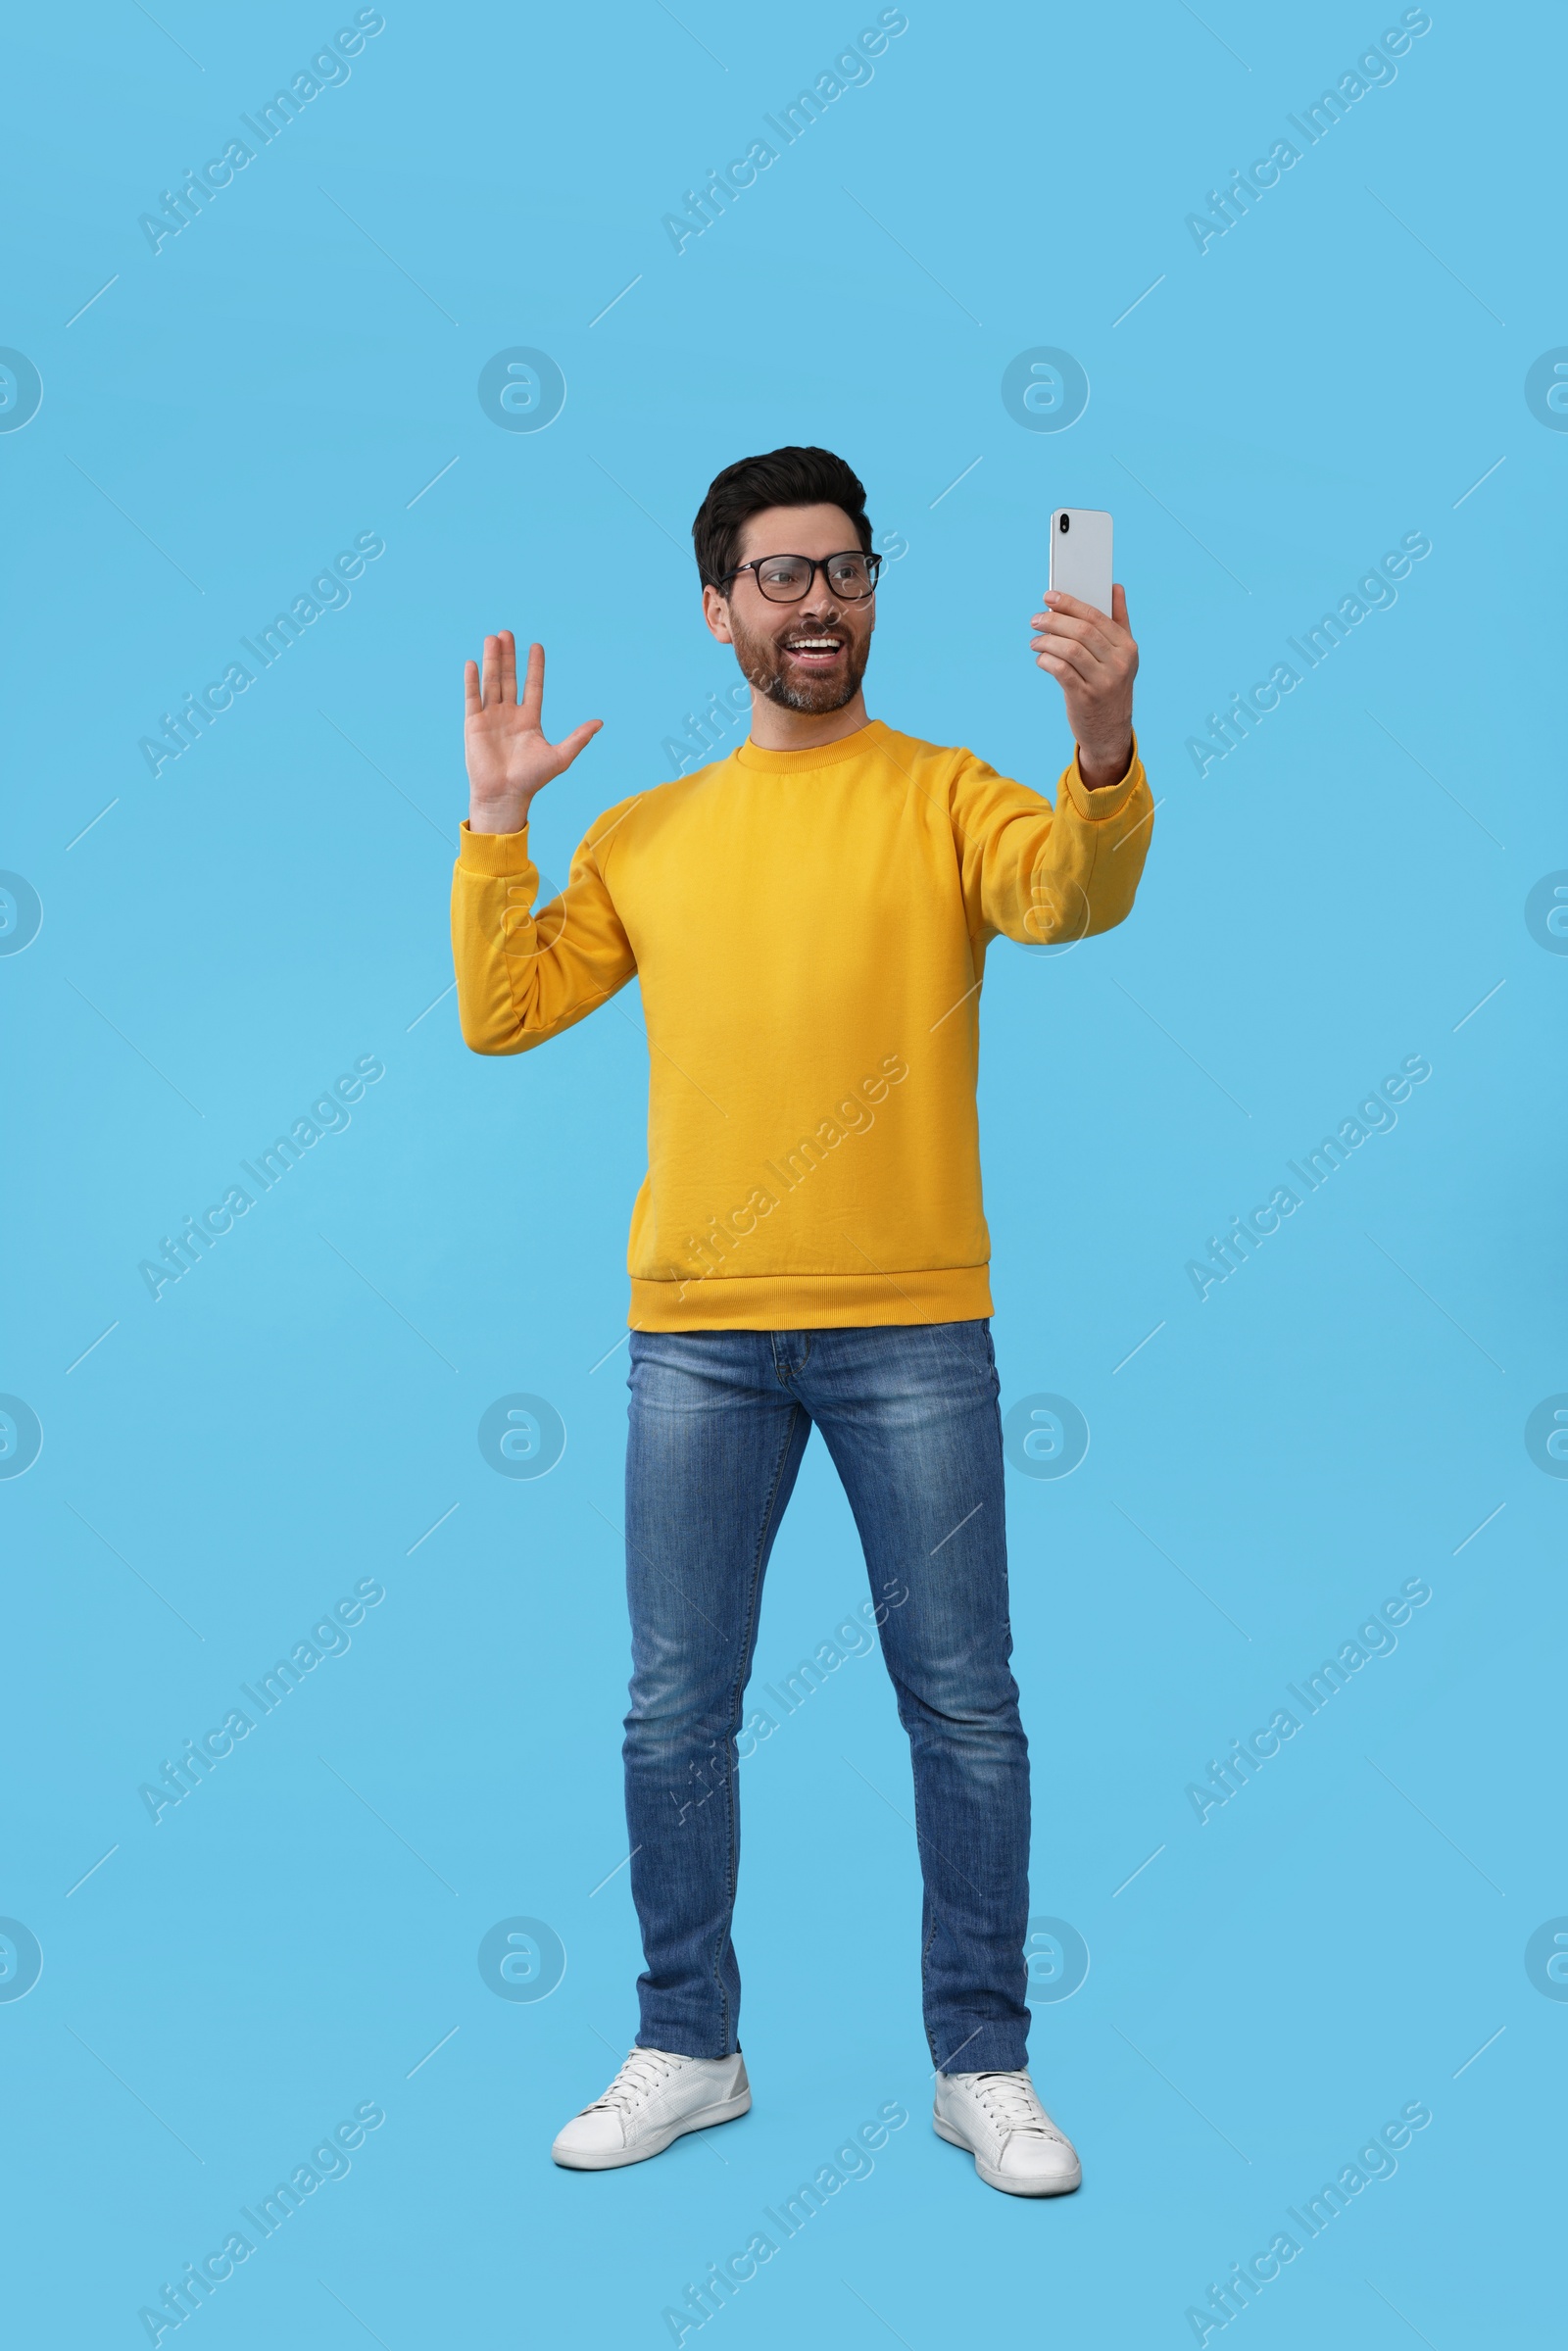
653, 2098
1015, 2144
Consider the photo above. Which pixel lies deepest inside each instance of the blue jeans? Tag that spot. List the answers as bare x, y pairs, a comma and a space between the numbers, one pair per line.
719, 1421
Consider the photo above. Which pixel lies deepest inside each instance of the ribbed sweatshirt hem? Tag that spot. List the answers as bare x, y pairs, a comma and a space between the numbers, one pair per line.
813, 1302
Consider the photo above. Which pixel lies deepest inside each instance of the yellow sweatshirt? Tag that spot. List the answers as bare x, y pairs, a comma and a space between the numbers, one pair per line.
808, 929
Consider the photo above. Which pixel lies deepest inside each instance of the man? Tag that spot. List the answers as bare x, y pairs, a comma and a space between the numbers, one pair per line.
807, 920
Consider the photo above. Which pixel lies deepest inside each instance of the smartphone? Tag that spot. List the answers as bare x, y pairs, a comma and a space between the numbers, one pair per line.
1080, 555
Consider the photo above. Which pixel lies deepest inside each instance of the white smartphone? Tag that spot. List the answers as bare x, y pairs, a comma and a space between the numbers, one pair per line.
1080, 555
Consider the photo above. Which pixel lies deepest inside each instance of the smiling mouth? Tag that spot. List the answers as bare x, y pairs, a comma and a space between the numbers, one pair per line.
816, 651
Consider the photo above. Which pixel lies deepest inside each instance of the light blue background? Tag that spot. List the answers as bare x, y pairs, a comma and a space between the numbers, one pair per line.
297, 1412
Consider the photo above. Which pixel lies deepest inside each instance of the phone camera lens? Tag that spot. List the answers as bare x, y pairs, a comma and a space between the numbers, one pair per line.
1062, 523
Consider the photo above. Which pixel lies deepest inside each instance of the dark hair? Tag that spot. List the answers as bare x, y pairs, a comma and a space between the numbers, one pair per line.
783, 477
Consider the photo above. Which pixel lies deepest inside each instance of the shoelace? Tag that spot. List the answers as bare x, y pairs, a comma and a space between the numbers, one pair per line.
644, 2074
1011, 2104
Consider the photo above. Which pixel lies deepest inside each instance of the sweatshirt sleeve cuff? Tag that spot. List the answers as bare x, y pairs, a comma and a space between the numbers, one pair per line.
500, 855
1096, 807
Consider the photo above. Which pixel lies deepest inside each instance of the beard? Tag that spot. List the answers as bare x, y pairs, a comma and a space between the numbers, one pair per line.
767, 666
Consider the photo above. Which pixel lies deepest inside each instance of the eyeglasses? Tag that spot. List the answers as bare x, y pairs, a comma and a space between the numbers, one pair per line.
789, 578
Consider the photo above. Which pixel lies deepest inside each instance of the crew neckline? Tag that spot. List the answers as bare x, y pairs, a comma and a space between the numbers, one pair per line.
815, 755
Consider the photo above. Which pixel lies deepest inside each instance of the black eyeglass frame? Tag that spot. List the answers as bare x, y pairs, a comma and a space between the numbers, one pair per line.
818, 564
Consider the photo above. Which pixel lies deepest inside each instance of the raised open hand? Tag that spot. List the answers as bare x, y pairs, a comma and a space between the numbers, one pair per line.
503, 741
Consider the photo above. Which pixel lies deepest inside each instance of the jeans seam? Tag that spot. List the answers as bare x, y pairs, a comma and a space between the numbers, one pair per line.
731, 1767
925, 1975
925, 1950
